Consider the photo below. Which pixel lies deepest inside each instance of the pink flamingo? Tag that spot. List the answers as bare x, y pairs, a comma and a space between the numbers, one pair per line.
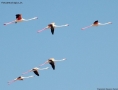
35, 70
96, 23
52, 26
20, 19
52, 61
18, 78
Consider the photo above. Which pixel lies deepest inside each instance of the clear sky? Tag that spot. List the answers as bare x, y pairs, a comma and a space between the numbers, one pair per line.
92, 54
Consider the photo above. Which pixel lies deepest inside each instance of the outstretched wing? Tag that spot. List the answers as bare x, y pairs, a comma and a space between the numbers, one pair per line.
18, 16
52, 64
52, 28
96, 22
36, 72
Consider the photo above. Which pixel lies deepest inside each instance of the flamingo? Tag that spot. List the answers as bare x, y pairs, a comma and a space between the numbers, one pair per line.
35, 70
19, 78
20, 19
51, 26
52, 61
96, 23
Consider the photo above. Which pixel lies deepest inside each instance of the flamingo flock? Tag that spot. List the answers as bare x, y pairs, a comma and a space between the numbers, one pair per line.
50, 61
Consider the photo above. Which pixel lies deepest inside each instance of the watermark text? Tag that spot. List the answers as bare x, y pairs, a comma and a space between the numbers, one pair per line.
107, 88
11, 2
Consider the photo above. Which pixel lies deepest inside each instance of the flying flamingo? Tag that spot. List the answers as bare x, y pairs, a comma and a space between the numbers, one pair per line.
52, 26
96, 23
52, 61
20, 19
19, 78
35, 70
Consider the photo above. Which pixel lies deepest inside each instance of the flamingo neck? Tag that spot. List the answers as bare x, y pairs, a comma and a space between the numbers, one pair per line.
60, 60
59, 26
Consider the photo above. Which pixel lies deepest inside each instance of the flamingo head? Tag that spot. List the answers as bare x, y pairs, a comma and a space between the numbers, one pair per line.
109, 22
67, 25
47, 67
64, 59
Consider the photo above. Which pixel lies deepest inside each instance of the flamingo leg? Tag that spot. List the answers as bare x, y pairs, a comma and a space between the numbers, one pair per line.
11, 82
87, 27
26, 72
43, 64
41, 30
9, 23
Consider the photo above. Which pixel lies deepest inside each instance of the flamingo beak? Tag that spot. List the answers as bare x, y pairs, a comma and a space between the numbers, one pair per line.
110, 22
64, 59
67, 24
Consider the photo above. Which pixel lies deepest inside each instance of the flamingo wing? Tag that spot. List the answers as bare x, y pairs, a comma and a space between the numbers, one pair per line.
36, 72
96, 22
52, 64
18, 16
52, 28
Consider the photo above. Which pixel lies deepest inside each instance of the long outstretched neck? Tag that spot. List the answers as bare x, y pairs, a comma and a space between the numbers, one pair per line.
61, 25
104, 23
60, 59
28, 77
31, 19
44, 68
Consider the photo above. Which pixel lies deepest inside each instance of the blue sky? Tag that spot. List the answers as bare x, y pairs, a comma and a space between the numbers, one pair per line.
92, 54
